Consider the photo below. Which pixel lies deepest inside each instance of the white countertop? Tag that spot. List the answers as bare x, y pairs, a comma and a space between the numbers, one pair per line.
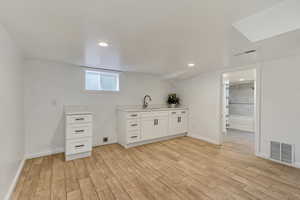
77, 110
139, 108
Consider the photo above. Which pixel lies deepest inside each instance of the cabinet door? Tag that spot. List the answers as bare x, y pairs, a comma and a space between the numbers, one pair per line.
147, 128
154, 127
178, 123
182, 123
173, 124
160, 127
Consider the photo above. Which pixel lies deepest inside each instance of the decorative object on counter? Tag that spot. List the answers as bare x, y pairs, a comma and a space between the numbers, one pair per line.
146, 101
173, 100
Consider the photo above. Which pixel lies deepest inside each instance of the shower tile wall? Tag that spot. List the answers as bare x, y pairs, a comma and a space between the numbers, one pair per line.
241, 99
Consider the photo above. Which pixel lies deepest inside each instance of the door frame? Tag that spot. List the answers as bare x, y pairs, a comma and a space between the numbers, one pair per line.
257, 111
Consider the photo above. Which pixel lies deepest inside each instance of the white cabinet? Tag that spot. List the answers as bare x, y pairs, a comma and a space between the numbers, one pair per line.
178, 122
154, 125
78, 134
139, 127
128, 128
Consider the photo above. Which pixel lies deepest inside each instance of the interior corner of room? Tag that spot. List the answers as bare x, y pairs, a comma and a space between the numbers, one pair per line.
111, 100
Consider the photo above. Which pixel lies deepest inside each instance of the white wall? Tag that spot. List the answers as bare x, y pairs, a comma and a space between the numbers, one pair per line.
202, 94
280, 103
50, 85
11, 107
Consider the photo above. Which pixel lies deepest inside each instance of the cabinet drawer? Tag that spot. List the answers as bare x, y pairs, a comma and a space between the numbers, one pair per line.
175, 112
178, 112
75, 146
133, 136
72, 119
133, 124
132, 115
154, 114
183, 112
78, 131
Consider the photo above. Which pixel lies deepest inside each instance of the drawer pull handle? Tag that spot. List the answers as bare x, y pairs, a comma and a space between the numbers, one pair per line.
79, 146
173, 113
133, 137
183, 112
134, 124
79, 119
79, 131
134, 115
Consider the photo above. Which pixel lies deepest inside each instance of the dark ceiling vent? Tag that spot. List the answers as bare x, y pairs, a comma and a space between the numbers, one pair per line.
245, 52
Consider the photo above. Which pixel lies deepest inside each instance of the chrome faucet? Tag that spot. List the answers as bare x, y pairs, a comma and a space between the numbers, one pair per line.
147, 98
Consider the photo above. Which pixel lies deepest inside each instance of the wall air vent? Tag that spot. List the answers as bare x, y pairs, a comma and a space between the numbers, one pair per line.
275, 150
282, 152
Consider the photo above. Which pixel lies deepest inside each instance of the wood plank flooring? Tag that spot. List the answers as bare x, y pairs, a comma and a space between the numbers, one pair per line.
239, 141
178, 169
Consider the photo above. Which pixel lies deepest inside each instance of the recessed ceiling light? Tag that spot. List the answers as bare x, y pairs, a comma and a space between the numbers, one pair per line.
103, 44
191, 65
242, 79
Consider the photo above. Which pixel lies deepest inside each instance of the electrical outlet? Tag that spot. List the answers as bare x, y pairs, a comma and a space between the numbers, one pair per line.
105, 139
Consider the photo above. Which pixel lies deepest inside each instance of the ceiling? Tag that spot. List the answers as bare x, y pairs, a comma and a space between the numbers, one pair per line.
159, 37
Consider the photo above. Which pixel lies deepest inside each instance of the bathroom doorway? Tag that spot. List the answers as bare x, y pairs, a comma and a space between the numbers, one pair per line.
239, 110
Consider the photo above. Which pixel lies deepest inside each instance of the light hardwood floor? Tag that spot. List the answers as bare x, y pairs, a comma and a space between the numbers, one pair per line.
182, 168
239, 141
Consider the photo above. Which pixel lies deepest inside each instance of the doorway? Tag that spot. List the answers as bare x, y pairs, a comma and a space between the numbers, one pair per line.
239, 107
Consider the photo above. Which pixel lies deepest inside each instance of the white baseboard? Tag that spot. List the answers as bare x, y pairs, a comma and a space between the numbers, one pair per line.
154, 140
106, 143
297, 165
15, 181
262, 155
265, 156
209, 140
59, 150
45, 153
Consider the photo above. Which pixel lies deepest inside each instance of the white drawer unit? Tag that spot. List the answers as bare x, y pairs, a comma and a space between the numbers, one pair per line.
133, 136
78, 134
140, 127
133, 124
78, 131
76, 119
80, 145
132, 115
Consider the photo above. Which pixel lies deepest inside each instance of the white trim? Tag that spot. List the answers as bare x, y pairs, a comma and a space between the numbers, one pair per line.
15, 180
265, 156
45, 153
106, 143
258, 110
297, 165
209, 140
154, 140
59, 150
258, 81
262, 155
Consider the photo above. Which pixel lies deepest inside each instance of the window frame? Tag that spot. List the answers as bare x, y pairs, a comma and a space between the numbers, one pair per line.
101, 72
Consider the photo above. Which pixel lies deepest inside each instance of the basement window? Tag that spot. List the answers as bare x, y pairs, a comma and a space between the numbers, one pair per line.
101, 81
